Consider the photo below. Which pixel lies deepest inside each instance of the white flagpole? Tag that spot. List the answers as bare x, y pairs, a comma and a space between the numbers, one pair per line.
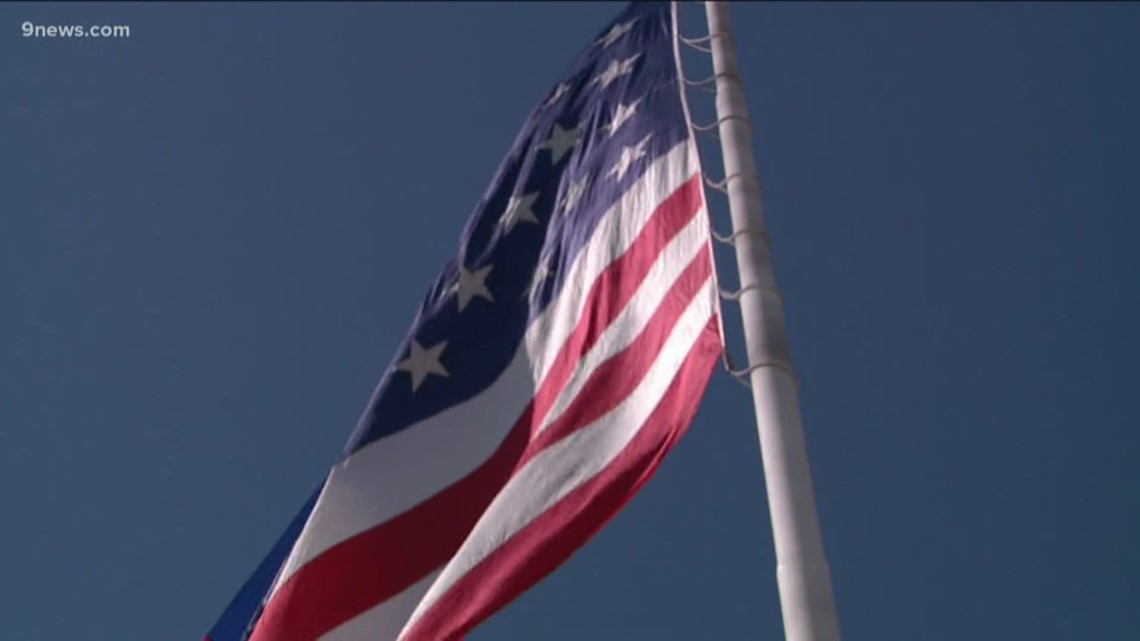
802, 573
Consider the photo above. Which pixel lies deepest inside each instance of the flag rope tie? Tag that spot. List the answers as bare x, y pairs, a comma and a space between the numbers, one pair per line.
722, 184
730, 239
693, 43
714, 125
696, 43
740, 375
698, 85
743, 373
736, 294
702, 84
726, 361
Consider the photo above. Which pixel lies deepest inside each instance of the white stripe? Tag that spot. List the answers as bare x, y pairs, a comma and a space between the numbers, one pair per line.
626, 327
396, 473
385, 620
614, 234
575, 459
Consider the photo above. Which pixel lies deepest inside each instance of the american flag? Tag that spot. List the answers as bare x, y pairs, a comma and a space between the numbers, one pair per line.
551, 366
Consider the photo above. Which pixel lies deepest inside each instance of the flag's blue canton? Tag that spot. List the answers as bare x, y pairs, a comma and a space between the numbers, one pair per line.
541, 208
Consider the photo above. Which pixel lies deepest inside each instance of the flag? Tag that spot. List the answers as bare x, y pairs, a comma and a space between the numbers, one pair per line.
550, 367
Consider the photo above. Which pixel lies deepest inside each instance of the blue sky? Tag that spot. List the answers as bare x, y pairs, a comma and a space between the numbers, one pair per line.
214, 233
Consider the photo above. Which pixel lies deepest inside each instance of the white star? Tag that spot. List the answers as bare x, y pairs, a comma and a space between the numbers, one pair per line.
559, 91
560, 141
573, 194
471, 285
621, 115
615, 33
615, 70
421, 362
519, 210
628, 156
541, 273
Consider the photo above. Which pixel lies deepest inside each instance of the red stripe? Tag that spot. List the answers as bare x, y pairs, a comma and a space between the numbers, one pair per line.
618, 376
542, 545
616, 285
379, 563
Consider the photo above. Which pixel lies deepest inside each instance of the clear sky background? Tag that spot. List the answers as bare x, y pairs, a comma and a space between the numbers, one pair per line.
213, 235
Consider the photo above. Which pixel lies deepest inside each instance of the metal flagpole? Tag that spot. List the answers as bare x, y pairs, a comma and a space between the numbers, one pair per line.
802, 573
